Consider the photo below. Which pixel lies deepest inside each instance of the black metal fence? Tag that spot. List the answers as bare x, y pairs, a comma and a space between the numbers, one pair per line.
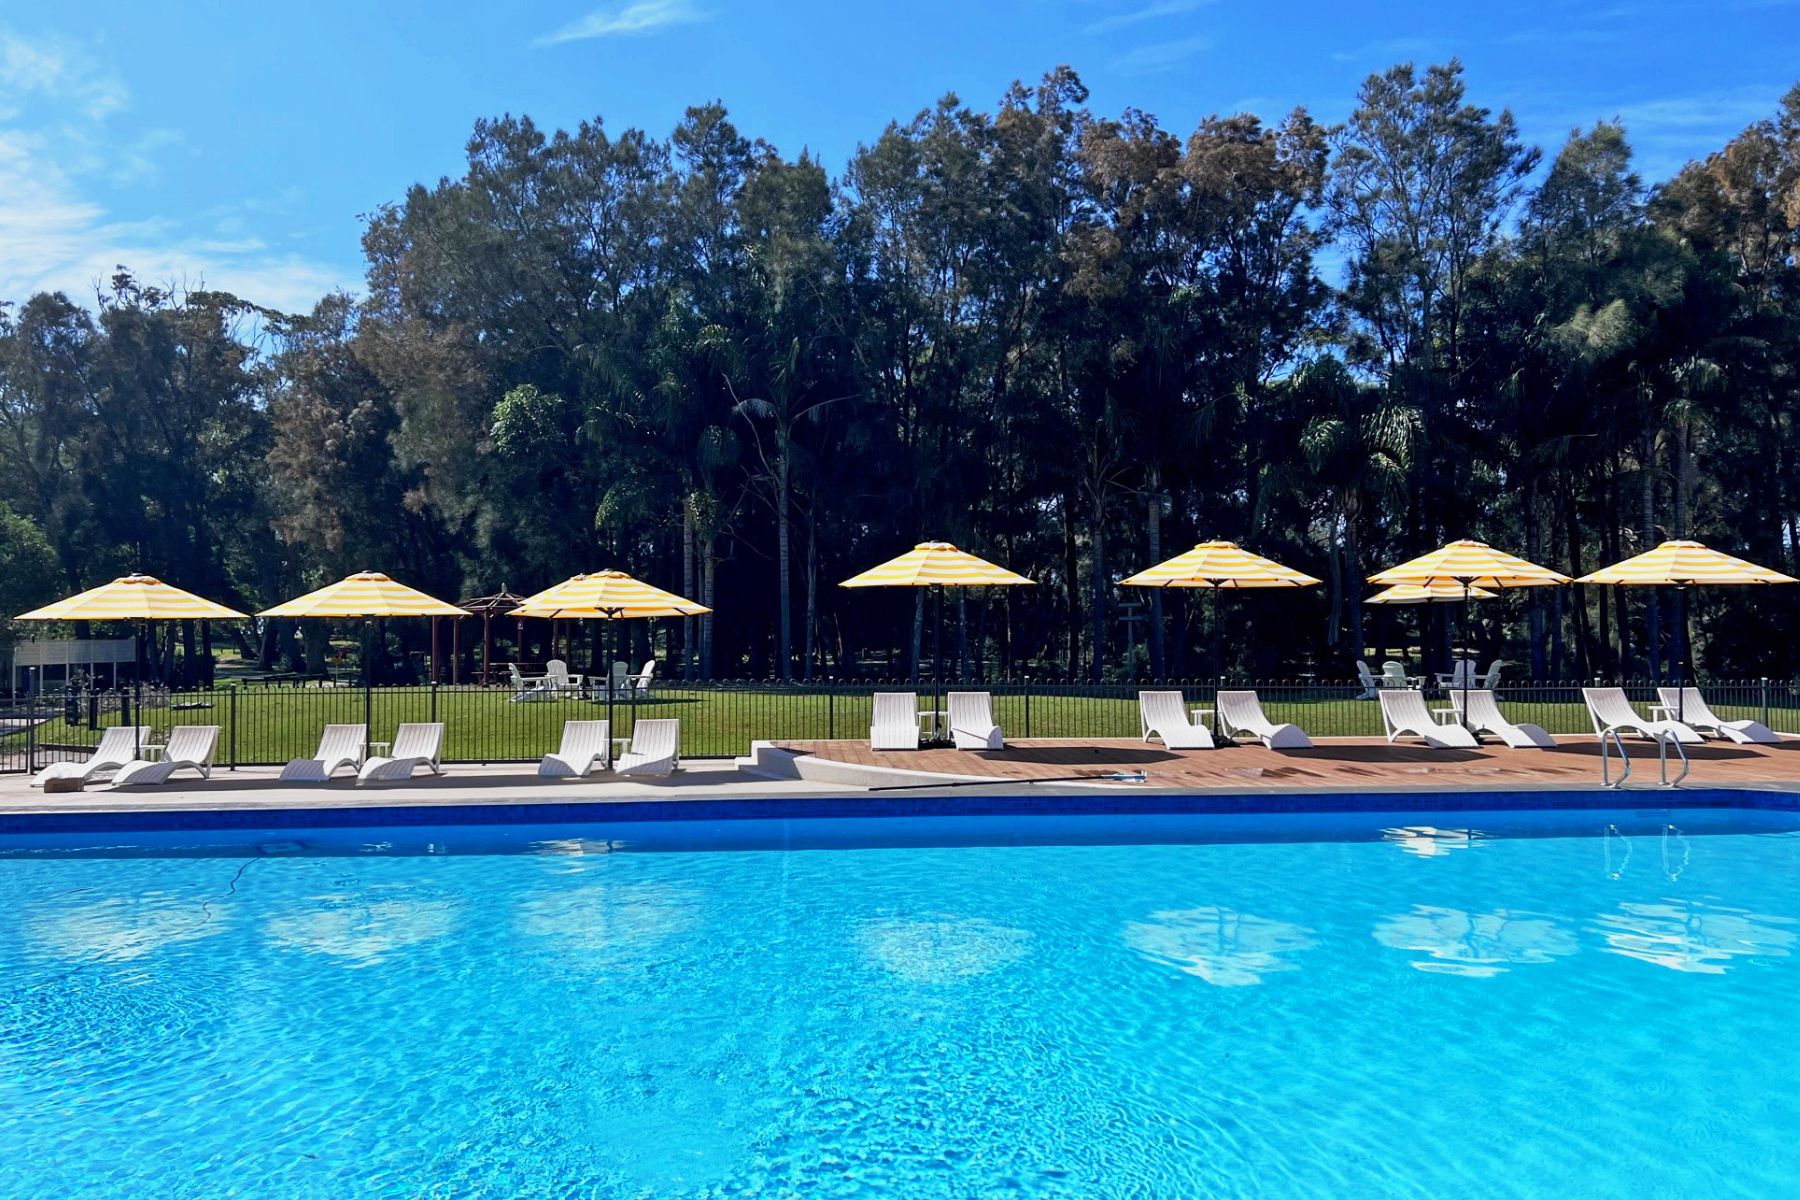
262, 725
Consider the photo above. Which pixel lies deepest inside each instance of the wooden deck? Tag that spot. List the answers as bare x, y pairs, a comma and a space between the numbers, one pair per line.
1347, 765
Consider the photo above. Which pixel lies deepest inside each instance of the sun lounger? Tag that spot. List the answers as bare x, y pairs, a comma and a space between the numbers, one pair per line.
1697, 713
585, 745
1611, 711
1164, 715
1242, 712
894, 723
1404, 712
655, 748
118, 746
1484, 716
415, 746
340, 746
191, 747
972, 721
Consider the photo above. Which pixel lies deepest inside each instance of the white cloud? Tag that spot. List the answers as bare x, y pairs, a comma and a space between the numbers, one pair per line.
638, 16
59, 71
1159, 56
1150, 12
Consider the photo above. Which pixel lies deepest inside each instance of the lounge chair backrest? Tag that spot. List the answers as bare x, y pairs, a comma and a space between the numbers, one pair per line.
1243, 710
584, 740
895, 708
973, 711
1690, 704
192, 743
420, 740
1482, 710
657, 738
120, 743
1610, 707
344, 741
1162, 709
1405, 709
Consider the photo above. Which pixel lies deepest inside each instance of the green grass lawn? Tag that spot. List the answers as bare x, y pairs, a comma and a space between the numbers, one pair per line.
273, 724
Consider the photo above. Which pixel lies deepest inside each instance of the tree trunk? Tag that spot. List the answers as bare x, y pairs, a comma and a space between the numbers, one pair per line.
1153, 539
784, 568
1071, 590
1646, 539
812, 599
1097, 588
1353, 572
918, 633
688, 535
709, 566
1583, 635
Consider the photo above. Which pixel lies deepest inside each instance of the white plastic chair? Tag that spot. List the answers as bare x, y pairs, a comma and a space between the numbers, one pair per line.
1610, 711
971, 716
585, 745
557, 678
191, 747
894, 721
528, 688
340, 746
1484, 716
1371, 683
655, 748
1393, 675
640, 683
415, 745
1242, 712
118, 746
1695, 711
1164, 715
1404, 712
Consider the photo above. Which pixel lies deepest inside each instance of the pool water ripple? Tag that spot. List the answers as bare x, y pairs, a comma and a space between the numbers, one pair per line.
1412, 1009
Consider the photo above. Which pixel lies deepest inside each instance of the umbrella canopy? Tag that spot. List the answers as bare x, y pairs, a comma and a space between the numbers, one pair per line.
1413, 593
610, 594
936, 564
365, 594
1683, 564
132, 598
1219, 565
1470, 564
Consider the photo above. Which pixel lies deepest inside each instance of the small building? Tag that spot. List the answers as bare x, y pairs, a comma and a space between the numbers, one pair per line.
38, 665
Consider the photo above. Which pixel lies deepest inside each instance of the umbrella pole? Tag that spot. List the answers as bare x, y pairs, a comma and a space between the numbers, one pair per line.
137, 690
1465, 671
1681, 644
487, 648
368, 678
937, 665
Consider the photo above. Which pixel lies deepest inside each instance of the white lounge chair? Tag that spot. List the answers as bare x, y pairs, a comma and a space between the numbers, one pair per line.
1242, 712
655, 748
1611, 711
191, 747
415, 745
1405, 712
972, 725
1371, 682
340, 746
118, 746
585, 745
557, 678
1484, 716
894, 721
1696, 712
1164, 715
528, 688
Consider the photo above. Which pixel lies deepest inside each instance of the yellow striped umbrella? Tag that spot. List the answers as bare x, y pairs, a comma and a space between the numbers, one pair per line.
1468, 565
1680, 565
365, 594
609, 594
936, 564
1414, 593
132, 598
1219, 565
1683, 564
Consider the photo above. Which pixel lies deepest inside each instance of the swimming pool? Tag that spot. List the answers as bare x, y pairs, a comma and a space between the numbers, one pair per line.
1496, 1004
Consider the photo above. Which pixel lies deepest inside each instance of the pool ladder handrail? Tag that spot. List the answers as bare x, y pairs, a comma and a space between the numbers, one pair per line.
1663, 742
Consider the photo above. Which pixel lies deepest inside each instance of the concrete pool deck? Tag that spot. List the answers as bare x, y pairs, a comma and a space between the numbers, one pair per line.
788, 774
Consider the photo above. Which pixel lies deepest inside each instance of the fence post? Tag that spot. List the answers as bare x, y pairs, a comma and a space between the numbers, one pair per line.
830, 710
1765, 699
434, 688
231, 721
31, 736
1028, 706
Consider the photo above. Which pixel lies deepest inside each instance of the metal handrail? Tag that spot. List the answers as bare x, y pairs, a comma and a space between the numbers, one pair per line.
1663, 756
1606, 779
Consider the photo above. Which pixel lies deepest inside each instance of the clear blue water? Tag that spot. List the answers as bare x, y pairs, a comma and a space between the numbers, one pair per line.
1596, 1005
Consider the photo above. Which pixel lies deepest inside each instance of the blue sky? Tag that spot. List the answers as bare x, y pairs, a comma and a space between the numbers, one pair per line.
238, 145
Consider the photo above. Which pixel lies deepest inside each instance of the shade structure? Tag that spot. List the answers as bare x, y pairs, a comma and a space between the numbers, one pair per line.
365, 594
132, 598
1436, 593
1680, 565
936, 564
1469, 565
487, 608
1219, 565
1684, 564
612, 595
940, 565
139, 598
